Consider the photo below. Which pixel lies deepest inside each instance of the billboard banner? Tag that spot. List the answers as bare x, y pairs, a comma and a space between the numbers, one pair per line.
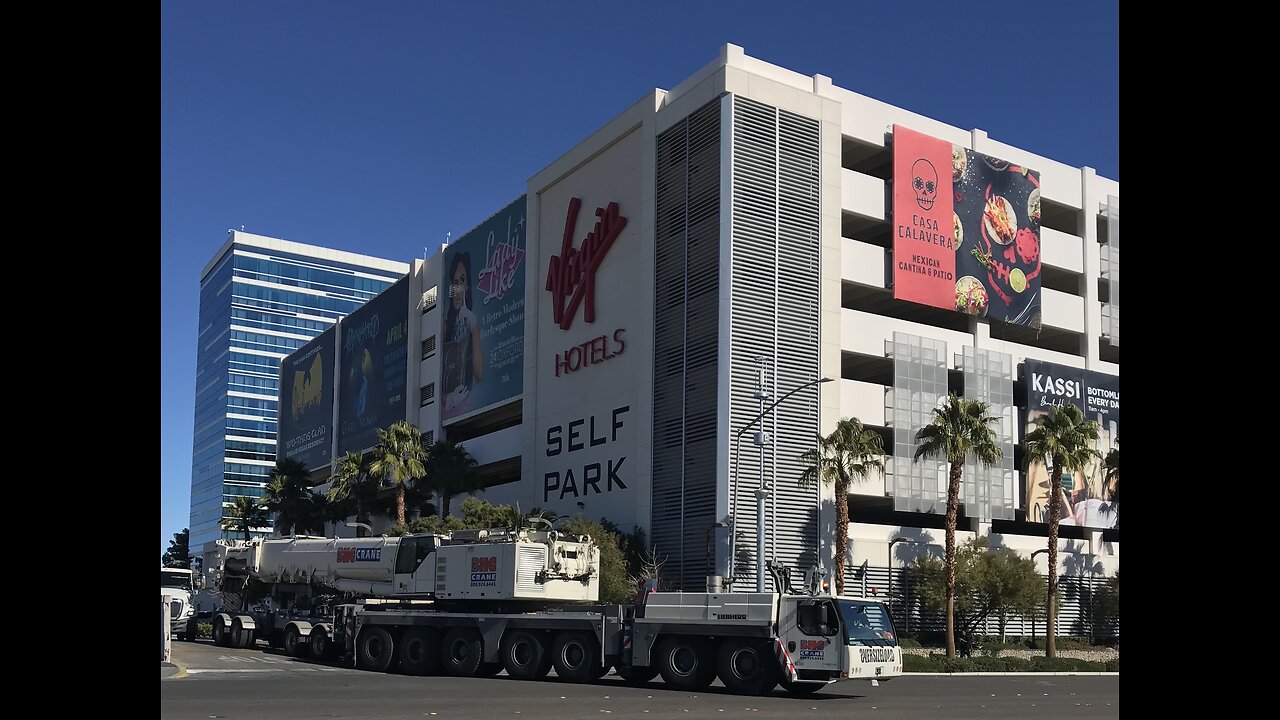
306, 402
374, 358
483, 320
1086, 494
966, 230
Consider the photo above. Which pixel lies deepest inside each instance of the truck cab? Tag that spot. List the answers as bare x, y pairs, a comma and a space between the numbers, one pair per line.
829, 637
176, 584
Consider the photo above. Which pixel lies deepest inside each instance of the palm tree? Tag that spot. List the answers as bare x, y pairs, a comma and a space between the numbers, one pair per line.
353, 482
397, 460
450, 470
961, 427
1112, 466
289, 496
1065, 442
245, 513
849, 453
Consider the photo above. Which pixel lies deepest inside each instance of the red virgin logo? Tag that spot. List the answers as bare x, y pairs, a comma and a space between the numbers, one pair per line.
571, 279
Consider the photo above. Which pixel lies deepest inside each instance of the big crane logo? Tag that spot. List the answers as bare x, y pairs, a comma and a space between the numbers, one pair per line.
350, 555
813, 648
484, 571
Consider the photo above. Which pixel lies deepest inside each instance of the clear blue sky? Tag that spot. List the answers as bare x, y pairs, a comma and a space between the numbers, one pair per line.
378, 127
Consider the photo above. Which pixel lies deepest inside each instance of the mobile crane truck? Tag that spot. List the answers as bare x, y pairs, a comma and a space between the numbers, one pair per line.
476, 602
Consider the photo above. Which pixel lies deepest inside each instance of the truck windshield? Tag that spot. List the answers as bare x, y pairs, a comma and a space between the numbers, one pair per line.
175, 580
867, 623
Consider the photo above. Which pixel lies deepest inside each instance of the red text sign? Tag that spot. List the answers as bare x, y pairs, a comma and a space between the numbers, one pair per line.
571, 278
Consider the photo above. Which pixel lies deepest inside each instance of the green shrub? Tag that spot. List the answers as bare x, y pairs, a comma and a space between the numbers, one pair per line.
1111, 665
1016, 664
918, 664
909, 643
204, 630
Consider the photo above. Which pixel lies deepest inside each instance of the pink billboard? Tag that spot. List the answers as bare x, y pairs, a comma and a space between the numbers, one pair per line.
966, 230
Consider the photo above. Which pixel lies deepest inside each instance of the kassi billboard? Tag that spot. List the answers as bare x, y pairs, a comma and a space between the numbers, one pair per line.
1086, 494
306, 402
966, 230
482, 328
374, 357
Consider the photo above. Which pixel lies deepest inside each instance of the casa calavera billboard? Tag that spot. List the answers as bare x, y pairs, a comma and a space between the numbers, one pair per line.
374, 357
483, 320
966, 230
306, 402
1088, 498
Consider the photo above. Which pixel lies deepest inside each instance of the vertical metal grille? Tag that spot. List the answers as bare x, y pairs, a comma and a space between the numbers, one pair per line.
988, 491
774, 315
687, 199
1113, 273
919, 383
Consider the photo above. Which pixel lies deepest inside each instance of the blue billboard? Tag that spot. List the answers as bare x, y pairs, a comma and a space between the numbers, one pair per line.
482, 329
374, 366
306, 402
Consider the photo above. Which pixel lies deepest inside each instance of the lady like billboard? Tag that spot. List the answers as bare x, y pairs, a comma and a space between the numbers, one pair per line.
483, 319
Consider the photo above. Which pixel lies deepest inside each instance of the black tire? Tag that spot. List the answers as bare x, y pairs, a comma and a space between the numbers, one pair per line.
525, 656
420, 651
320, 645
375, 649
294, 643
240, 636
193, 630
747, 667
802, 688
686, 663
576, 658
486, 669
461, 651
638, 675
220, 634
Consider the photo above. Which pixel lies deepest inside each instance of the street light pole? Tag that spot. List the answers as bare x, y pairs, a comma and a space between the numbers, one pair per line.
711, 568
760, 493
1033, 617
891, 544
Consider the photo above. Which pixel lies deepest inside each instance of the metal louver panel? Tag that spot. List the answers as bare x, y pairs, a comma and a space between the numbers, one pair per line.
530, 561
774, 315
919, 384
989, 491
687, 241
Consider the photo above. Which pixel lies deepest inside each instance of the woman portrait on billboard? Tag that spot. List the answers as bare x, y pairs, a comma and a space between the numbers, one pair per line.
463, 355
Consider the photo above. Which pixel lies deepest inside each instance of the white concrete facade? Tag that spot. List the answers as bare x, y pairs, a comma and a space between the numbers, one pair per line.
856, 314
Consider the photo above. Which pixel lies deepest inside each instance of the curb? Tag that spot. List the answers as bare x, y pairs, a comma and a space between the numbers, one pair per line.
1000, 674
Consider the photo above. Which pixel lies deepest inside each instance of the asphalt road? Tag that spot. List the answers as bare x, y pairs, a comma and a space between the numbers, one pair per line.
212, 682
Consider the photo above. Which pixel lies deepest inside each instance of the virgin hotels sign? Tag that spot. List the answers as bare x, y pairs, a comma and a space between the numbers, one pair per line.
571, 280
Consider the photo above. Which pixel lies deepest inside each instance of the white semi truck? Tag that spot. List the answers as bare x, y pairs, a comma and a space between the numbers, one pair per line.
175, 583
472, 603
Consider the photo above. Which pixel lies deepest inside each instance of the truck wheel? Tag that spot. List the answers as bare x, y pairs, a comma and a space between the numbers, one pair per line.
524, 656
801, 688
638, 675
375, 649
575, 658
193, 630
219, 632
747, 667
321, 648
461, 651
686, 663
485, 669
294, 643
240, 637
420, 651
